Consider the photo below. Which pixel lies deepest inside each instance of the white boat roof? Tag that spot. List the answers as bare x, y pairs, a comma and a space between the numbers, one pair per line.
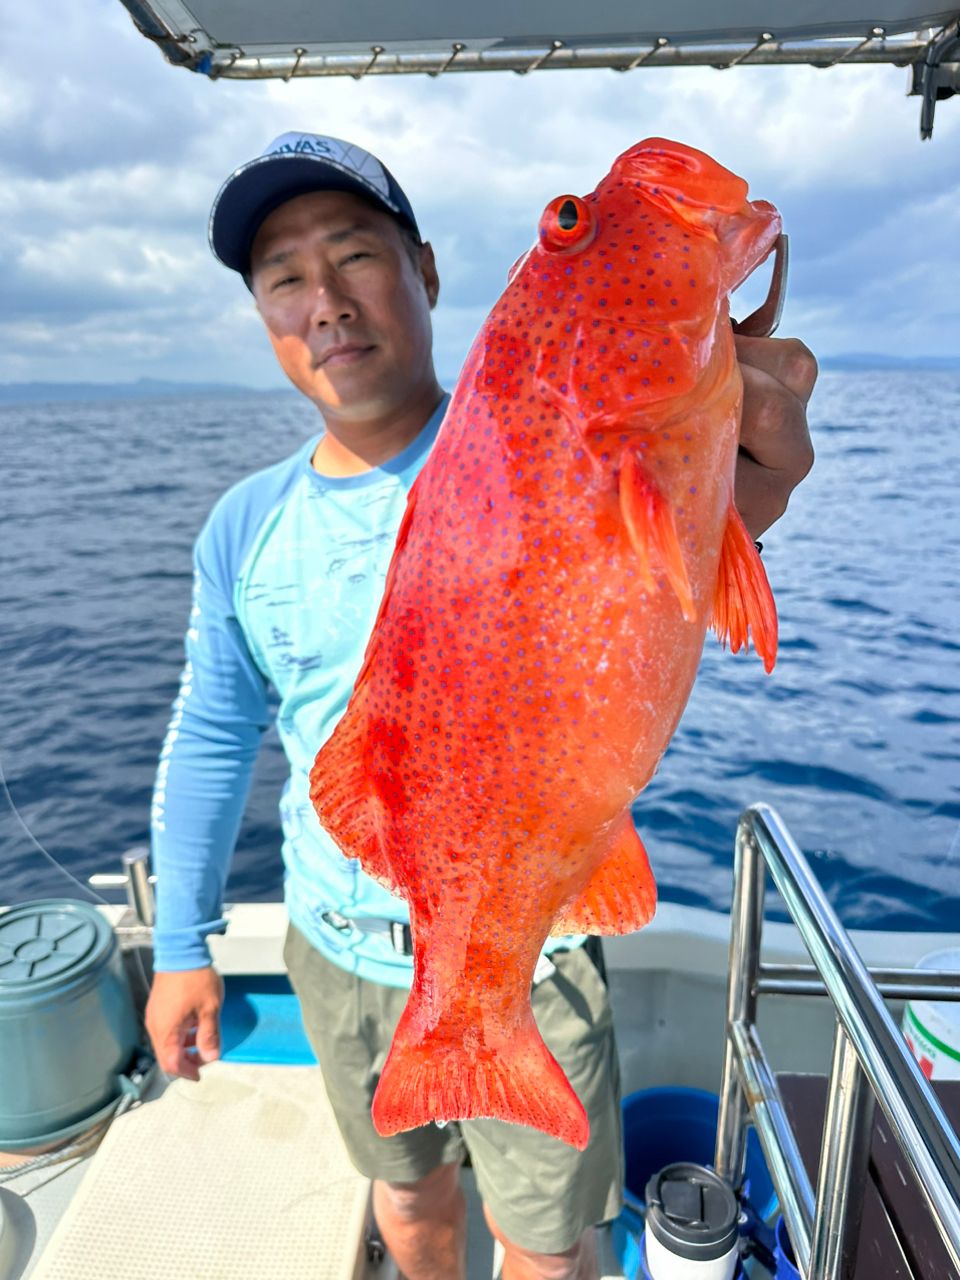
248, 39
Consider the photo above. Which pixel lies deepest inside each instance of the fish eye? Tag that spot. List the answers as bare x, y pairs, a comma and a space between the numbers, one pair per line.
567, 223
568, 215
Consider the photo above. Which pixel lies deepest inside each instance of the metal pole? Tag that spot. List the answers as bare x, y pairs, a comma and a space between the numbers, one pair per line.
746, 927
912, 1109
136, 864
777, 1139
844, 1155
897, 984
622, 57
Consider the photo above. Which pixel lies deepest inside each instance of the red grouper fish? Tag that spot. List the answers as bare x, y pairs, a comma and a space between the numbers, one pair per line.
563, 552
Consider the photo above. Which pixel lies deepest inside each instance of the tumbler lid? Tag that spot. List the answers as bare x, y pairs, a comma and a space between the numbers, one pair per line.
692, 1212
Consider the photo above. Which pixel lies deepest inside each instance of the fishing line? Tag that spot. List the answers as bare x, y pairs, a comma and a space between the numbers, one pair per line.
138, 1077
36, 843
92, 893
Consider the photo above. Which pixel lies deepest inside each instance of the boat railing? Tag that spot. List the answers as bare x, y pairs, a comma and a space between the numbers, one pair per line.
871, 1063
137, 882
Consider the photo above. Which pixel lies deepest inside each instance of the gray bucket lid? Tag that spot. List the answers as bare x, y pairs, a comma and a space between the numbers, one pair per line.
692, 1212
48, 944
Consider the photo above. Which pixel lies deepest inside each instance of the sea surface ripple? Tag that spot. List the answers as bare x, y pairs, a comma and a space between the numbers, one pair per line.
855, 738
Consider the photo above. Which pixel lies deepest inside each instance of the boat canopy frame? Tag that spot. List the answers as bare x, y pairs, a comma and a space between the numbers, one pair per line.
871, 1063
243, 40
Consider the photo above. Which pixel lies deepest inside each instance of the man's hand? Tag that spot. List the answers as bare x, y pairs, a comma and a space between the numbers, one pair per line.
183, 1013
775, 449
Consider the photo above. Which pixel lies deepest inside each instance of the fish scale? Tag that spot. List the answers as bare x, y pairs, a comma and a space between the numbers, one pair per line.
562, 554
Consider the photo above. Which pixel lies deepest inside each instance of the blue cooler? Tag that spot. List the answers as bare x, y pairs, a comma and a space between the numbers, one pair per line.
68, 1028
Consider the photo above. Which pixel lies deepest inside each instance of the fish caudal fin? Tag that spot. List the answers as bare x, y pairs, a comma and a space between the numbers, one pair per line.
620, 896
432, 1076
743, 602
648, 517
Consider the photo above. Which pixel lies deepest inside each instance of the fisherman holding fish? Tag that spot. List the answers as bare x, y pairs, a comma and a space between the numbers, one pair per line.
289, 573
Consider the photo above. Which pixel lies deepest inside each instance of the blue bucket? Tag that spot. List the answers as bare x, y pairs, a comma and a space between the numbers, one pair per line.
665, 1126
786, 1262
668, 1125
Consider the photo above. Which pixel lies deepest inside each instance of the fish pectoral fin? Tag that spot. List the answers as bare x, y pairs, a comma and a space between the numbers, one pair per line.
620, 896
603, 385
652, 530
743, 603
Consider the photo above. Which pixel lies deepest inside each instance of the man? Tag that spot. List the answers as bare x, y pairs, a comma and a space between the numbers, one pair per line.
289, 571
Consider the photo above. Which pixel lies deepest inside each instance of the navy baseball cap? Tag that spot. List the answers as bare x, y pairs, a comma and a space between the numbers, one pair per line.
292, 165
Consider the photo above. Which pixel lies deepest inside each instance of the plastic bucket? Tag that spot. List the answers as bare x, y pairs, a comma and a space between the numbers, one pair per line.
932, 1027
665, 1126
783, 1252
67, 1023
669, 1125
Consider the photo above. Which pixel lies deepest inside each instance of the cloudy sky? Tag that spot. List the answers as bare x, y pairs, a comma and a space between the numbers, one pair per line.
109, 160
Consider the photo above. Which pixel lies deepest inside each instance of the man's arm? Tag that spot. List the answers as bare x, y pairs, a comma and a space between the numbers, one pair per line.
202, 783
775, 448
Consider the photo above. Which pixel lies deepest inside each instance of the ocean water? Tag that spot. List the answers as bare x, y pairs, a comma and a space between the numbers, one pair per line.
855, 738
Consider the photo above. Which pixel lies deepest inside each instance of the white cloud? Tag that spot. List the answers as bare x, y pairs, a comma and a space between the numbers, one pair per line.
110, 158
102, 333
127, 196
121, 261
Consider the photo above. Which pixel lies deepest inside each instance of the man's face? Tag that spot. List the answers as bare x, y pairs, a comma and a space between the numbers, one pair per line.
346, 301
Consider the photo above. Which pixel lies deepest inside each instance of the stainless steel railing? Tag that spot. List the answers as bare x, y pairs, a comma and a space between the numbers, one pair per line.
871, 1063
136, 880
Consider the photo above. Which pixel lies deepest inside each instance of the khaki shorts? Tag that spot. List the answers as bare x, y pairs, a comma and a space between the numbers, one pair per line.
542, 1193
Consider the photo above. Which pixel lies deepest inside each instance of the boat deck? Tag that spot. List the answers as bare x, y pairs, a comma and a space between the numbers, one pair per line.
238, 1177
244, 1175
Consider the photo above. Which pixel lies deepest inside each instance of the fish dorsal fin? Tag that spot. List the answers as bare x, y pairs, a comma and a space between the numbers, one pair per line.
707, 199
620, 896
648, 517
353, 783
349, 784
743, 603
687, 183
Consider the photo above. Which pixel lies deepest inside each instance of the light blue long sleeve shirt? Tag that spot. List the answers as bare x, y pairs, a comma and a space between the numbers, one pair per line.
289, 571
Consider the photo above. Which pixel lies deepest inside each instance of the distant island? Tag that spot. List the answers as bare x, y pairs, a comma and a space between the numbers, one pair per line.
142, 389
152, 388
861, 362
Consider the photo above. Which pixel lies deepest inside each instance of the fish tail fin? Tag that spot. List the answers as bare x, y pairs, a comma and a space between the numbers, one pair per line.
433, 1076
743, 603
